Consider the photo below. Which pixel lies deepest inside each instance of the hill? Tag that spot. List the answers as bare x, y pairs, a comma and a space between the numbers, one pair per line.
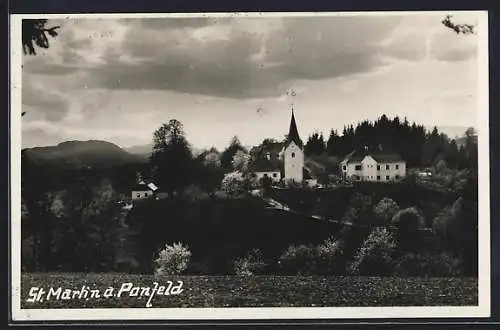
79, 154
143, 150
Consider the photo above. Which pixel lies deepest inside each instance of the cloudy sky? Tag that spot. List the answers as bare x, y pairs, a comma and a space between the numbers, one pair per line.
120, 79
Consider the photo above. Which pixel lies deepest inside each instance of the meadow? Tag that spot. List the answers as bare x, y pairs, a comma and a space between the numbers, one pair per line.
257, 291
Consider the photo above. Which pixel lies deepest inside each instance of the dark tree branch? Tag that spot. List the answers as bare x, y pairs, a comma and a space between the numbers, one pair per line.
35, 34
458, 28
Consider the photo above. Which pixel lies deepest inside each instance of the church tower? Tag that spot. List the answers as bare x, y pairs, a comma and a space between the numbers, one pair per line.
293, 154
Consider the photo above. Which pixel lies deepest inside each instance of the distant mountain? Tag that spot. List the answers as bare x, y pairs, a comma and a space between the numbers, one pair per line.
93, 154
145, 149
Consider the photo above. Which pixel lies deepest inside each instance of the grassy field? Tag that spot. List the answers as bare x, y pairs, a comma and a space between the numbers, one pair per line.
260, 291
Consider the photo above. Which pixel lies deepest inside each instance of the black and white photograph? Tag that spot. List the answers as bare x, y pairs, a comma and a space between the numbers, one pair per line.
250, 166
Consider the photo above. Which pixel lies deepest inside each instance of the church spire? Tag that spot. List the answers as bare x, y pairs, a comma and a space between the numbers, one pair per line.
293, 133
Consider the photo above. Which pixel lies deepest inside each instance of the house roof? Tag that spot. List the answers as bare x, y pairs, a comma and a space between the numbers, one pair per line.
152, 186
142, 186
265, 165
387, 158
293, 134
378, 156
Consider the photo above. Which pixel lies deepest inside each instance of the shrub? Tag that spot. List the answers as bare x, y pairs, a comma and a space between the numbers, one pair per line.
233, 183
385, 210
447, 222
375, 255
428, 265
359, 209
409, 219
252, 264
329, 255
407, 224
240, 161
194, 193
299, 260
173, 259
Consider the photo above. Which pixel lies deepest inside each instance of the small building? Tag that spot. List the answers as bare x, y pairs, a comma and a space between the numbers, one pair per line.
373, 166
266, 168
143, 190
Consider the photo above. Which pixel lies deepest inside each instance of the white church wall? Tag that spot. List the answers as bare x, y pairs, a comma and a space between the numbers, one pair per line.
294, 163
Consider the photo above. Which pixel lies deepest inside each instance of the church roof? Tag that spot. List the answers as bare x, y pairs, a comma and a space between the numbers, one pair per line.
293, 134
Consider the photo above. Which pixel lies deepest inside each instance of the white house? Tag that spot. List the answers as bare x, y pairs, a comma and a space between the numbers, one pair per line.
143, 190
373, 166
267, 163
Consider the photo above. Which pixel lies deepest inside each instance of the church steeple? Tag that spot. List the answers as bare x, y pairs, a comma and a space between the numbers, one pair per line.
293, 133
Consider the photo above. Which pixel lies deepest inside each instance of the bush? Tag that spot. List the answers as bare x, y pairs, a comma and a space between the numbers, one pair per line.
173, 259
233, 184
194, 193
385, 210
359, 209
429, 265
252, 264
375, 255
447, 223
329, 256
407, 224
299, 260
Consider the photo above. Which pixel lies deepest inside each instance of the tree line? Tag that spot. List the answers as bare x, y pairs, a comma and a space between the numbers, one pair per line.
416, 145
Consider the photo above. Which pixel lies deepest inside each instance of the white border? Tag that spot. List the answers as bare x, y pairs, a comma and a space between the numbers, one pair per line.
482, 310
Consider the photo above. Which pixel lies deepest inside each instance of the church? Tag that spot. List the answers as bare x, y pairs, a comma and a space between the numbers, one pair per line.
281, 161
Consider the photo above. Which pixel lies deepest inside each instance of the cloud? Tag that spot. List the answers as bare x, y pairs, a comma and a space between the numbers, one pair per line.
98, 72
240, 57
50, 104
31, 137
245, 58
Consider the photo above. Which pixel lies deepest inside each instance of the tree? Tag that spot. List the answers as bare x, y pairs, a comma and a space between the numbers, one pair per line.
212, 159
385, 210
227, 155
315, 145
172, 158
240, 161
458, 28
407, 223
34, 33
375, 255
89, 234
233, 184
333, 146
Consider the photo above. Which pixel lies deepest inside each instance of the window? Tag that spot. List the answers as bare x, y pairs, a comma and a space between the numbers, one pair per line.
397, 177
387, 178
265, 175
138, 195
397, 167
378, 167
344, 168
293, 154
386, 167
275, 175
358, 168
378, 177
